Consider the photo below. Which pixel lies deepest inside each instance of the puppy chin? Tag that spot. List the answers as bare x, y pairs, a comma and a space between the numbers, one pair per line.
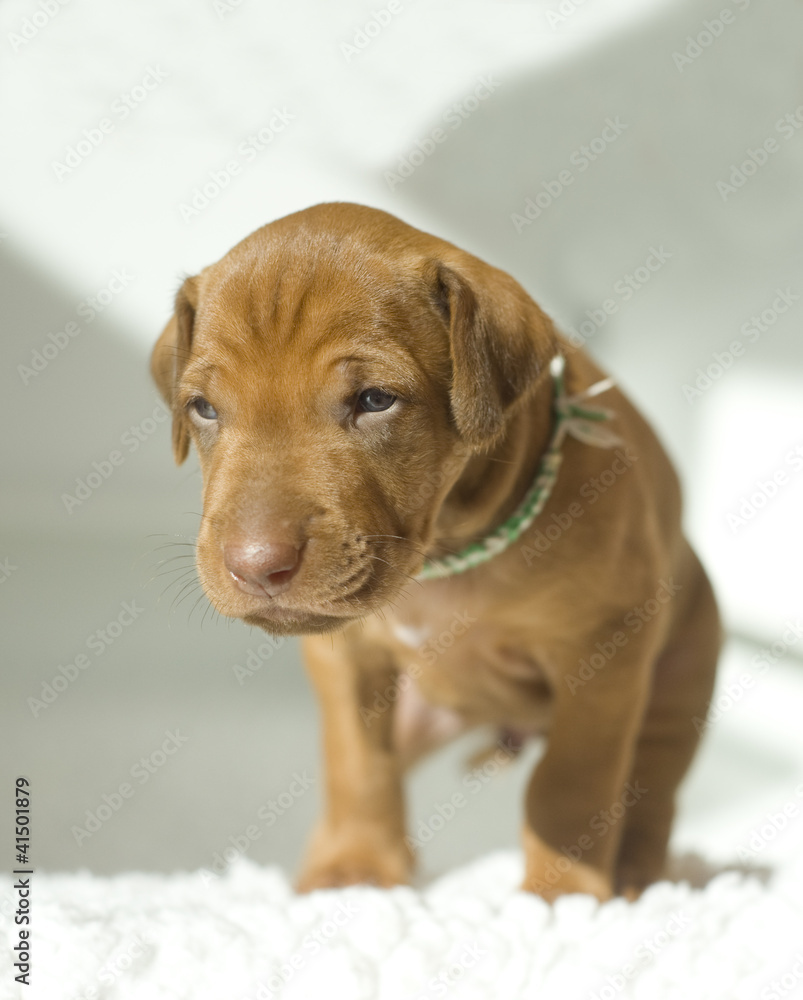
303, 619
298, 623
315, 618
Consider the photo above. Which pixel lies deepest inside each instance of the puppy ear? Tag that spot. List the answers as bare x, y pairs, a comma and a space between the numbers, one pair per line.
169, 358
501, 344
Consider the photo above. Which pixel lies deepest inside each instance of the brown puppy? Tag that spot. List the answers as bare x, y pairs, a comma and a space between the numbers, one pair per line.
365, 397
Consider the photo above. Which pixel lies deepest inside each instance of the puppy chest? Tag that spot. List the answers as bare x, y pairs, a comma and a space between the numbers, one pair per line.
474, 669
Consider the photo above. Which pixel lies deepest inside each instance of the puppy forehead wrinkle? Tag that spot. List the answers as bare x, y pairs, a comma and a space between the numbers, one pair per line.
224, 341
271, 303
264, 306
282, 266
199, 370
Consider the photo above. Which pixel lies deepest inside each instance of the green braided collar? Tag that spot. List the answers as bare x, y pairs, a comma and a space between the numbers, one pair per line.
571, 417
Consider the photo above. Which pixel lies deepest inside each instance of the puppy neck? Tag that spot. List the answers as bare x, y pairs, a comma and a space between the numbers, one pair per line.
493, 483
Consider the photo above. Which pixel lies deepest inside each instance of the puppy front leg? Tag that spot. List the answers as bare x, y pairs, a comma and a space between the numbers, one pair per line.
361, 835
577, 797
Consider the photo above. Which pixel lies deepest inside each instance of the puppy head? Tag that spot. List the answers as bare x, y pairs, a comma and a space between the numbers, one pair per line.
336, 370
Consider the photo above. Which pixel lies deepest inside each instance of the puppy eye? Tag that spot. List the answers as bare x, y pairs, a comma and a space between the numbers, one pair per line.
204, 409
374, 400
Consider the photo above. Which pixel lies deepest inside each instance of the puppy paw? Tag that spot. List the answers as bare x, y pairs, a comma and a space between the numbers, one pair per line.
336, 860
350, 871
551, 874
631, 881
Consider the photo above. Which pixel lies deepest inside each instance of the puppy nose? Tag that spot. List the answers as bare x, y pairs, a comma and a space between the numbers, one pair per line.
263, 567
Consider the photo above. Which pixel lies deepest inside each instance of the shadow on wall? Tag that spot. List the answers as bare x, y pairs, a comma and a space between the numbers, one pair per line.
81, 394
649, 198
150, 736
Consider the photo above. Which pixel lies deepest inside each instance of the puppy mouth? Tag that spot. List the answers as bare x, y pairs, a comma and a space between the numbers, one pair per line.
325, 593
322, 614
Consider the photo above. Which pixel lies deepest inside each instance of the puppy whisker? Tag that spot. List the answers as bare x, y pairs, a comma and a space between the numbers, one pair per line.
417, 549
409, 576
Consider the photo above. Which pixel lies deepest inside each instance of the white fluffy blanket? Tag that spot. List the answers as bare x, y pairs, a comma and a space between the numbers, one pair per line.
469, 935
